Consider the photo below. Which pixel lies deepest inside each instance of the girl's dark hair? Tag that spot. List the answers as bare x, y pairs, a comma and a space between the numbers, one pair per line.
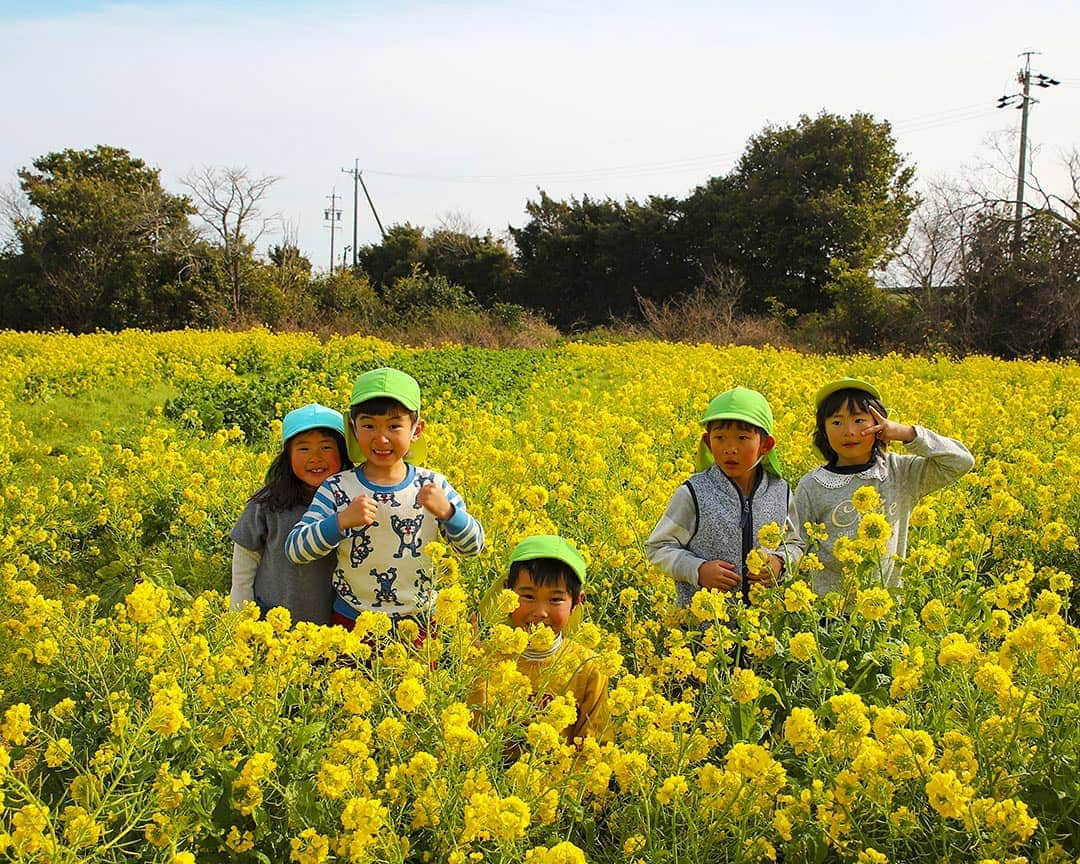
547, 571
283, 489
856, 400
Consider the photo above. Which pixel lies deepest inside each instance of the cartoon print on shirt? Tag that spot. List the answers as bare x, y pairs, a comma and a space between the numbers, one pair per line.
341, 499
386, 592
424, 588
408, 532
361, 545
385, 498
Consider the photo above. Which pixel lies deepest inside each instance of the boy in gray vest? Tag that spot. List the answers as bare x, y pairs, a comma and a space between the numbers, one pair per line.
712, 520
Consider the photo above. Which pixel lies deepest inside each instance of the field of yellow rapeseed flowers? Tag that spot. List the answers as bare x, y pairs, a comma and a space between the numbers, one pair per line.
140, 721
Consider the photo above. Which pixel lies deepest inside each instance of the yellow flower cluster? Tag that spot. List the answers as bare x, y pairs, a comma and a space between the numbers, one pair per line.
137, 710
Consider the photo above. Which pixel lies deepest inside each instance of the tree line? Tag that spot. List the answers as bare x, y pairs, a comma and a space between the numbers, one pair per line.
817, 230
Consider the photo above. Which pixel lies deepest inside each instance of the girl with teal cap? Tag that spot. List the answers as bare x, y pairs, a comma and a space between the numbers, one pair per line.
312, 448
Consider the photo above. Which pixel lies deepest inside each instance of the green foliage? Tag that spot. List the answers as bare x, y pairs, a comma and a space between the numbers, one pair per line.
418, 293
862, 316
107, 247
483, 265
828, 187
585, 262
1027, 305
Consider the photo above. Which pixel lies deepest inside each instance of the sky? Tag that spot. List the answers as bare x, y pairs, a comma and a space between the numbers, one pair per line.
459, 112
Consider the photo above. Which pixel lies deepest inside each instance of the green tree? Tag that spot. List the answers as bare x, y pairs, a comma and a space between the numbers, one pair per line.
103, 245
1026, 305
586, 261
827, 188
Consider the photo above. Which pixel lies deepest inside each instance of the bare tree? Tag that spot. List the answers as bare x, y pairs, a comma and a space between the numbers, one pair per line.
228, 202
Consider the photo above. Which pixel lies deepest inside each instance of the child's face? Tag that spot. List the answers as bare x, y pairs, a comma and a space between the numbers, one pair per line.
549, 605
384, 439
737, 451
314, 456
845, 431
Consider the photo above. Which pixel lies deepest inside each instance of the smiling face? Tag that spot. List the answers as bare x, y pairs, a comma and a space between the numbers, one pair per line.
737, 448
549, 605
844, 430
313, 456
384, 440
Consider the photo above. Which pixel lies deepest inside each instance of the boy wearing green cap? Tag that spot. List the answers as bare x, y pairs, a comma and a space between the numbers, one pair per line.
381, 515
712, 520
547, 574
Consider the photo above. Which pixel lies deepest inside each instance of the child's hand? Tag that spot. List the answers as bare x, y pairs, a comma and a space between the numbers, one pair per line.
888, 430
433, 499
767, 575
361, 511
717, 574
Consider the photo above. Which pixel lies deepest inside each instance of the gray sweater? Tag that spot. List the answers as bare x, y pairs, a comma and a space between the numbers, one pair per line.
824, 496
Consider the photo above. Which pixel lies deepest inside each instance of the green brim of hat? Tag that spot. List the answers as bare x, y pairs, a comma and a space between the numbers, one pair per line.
845, 384
549, 546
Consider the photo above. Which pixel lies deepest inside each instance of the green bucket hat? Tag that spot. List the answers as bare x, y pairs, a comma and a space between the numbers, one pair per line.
738, 403
313, 416
845, 384
386, 383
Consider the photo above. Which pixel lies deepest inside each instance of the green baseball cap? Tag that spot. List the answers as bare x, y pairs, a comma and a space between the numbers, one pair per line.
313, 416
389, 383
747, 406
549, 546
845, 384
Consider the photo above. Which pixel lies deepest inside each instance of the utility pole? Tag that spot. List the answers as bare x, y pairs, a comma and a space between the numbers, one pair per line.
333, 216
355, 172
1025, 102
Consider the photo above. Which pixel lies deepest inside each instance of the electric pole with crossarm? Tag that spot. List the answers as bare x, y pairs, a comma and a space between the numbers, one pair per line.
1023, 102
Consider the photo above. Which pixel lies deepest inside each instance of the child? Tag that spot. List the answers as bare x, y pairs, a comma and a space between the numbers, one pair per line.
313, 448
712, 520
547, 574
380, 515
852, 433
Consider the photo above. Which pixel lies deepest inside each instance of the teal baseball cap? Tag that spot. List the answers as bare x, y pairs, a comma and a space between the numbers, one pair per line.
746, 406
313, 416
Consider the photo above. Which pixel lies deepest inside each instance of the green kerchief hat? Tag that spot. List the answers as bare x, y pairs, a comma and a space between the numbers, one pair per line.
738, 403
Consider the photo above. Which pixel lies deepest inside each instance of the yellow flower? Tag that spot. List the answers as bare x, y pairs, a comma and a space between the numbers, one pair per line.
769, 536
865, 499
674, 788
799, 597
16, 723
874, 603
801, 730
948, 795
309, 847
409, 695
745, 685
